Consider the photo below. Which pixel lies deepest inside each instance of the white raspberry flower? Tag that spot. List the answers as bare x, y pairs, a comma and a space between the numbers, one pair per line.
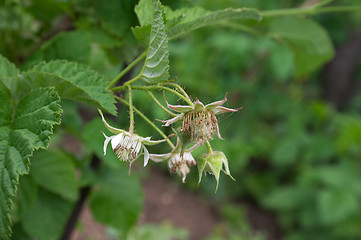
127, 146
178, 162
199, 121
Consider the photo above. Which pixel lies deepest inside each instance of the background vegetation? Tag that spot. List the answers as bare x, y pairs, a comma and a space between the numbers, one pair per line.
294, 148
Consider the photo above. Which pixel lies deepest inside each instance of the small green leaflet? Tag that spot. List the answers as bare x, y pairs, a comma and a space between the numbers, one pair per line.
156, 66
34, 117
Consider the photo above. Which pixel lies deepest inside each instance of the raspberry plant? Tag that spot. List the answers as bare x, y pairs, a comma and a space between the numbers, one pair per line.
32, 96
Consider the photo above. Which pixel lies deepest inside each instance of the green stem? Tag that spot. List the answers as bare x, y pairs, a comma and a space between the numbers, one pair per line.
309, 11
209, 147
125, 70
131, 113
160, 105
148, 121
180, 89
187, 100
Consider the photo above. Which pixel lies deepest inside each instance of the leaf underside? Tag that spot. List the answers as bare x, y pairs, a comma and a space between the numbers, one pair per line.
156, 66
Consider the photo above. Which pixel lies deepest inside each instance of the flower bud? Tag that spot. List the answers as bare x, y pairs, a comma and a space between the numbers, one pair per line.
212, 163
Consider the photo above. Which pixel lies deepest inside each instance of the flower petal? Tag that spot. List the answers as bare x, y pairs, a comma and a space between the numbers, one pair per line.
110, 128
220, 109
226, 168
212, 105
179, 108
147, 141
107, 140
146, 156
173, 120
159, 157
217, 132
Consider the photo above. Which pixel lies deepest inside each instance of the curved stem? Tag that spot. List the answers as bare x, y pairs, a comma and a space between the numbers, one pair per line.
160, 105
125, 70
131, 113
187, 100
180, 89
148, 121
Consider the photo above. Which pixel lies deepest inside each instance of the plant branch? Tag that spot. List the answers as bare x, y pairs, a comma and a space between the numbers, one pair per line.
160, 105
125, 70
148, 121
187, 100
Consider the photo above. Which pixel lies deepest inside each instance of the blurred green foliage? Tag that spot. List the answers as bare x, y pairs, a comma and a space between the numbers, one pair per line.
291, 151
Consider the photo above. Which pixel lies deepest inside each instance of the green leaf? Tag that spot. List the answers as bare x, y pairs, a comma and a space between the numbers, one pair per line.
117, 202
197, 17
309, 42
8, 74
45, 220
72, 46
156, 66
24, 127
7, 69
144, 11
334, 206
55, 172
77, 82
26, 196
185, 20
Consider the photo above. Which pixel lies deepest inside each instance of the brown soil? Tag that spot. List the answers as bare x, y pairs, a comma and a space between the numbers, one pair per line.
168, 201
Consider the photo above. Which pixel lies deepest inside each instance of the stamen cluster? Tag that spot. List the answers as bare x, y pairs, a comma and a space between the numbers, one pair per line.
128, 148
199, 125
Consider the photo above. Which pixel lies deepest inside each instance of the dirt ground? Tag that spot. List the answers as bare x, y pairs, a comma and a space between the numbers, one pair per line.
168, 201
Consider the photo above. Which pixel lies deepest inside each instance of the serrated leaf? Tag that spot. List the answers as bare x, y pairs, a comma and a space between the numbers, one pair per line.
117, 202
45, 220
194, 18
8, 73
87, 86
156, 66
7, 69
55, 172
185, 20
309, 42
24, 127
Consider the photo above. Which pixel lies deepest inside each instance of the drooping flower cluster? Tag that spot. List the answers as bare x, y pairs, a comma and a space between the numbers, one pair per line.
198, 125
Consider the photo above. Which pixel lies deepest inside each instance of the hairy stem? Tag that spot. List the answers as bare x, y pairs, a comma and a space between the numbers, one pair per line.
148, 121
